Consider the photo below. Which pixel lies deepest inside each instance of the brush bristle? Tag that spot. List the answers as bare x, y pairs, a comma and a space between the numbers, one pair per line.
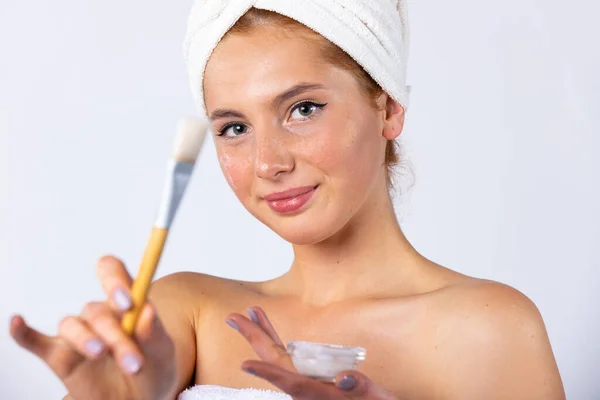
191, 133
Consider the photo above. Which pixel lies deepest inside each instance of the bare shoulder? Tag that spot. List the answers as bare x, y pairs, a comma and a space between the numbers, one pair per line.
181, 300
495, 335
495, 302
190, 287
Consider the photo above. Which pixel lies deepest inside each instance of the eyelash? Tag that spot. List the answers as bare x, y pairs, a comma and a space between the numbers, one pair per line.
318, 106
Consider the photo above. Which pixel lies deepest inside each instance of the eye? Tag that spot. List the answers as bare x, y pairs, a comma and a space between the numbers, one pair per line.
306, 109
233, 130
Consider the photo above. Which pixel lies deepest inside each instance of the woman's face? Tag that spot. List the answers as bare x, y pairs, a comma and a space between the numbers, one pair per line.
299, 143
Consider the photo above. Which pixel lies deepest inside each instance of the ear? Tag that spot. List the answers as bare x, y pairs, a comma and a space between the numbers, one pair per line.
393, 117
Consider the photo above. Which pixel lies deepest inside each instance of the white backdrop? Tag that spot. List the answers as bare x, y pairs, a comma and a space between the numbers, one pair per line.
502, 136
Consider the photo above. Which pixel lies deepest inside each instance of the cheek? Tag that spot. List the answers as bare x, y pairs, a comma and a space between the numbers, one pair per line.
236, 170
348, 151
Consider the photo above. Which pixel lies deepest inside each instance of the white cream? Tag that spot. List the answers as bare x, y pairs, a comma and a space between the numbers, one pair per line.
225, 165
324, 361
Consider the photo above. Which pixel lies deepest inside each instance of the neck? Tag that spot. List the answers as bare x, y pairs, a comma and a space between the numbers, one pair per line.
370, 257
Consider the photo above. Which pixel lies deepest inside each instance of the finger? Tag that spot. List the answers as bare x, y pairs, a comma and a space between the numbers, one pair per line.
262, 344
76, 332
298, 386
103, 323
30, 339
116, 282
152, 335
358, 386
55, 352
259, 316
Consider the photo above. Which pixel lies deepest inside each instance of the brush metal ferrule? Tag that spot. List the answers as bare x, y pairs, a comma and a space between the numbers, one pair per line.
178, 176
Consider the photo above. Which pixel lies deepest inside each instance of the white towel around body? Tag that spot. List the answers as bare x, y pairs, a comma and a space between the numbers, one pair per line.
212, 392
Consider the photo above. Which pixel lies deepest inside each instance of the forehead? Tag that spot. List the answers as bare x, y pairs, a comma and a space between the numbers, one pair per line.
263, 63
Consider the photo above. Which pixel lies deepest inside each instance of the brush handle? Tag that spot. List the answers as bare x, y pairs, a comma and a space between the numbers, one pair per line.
141, 284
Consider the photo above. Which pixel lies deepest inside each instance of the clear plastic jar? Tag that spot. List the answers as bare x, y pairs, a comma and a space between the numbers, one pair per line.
324, 361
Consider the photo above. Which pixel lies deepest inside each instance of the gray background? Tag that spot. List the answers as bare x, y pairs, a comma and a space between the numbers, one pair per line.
502, 136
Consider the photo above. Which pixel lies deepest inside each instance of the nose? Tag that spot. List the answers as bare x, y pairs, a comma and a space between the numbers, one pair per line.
273, 157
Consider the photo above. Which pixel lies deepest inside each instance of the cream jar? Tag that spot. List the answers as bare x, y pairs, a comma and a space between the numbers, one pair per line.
324, 361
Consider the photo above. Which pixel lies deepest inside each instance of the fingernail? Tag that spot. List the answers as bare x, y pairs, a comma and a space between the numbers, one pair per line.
131, 363
122, 299
253, 315
347, 383
94, 347
232, 324
251, 372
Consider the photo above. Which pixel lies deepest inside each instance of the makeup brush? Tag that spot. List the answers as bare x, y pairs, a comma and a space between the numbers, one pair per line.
190, 137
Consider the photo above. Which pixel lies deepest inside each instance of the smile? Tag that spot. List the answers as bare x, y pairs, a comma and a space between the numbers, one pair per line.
290, 200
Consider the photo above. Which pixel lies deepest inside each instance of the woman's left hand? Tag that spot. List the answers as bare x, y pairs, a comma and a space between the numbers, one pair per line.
277, 366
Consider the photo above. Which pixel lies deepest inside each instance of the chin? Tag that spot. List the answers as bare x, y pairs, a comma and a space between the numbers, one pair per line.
313, 225
302, 237
303, 229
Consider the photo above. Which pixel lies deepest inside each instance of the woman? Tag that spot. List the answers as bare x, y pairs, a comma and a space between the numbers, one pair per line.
305, 137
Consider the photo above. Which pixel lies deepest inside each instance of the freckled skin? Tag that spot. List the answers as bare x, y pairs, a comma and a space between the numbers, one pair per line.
430, 333
341, 149
225, 163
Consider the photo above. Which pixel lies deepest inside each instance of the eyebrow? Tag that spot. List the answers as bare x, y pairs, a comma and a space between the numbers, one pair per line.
220, 113
292, 92
295, 91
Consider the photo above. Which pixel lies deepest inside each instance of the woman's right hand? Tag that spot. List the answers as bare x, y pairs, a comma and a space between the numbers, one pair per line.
95, 358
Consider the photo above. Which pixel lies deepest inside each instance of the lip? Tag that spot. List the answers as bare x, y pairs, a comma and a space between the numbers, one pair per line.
288, 194
290, 200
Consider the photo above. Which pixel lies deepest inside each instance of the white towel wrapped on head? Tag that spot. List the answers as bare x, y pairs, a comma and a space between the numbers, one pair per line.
212, 392
372, 32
